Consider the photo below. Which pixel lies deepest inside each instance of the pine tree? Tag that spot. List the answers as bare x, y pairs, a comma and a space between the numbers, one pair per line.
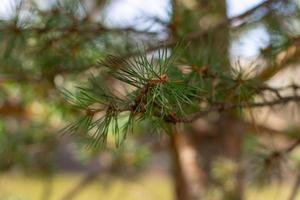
112, 79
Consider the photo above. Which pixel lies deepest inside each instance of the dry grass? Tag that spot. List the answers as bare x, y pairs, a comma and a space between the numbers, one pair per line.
149, 187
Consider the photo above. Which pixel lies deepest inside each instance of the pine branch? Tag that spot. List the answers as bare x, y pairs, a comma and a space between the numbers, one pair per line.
158, 95
73, 21
96, 28
269, 163
173, 118
277, 154
154, 95
218, 107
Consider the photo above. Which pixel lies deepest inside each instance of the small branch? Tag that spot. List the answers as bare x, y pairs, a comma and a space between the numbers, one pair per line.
278, 89
88, 178
282, 60
223, 107
100, 29
292, 146
278, 155
96, 29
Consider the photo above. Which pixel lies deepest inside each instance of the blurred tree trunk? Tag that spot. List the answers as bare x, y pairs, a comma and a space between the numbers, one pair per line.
222, 139
188, 176
225, 138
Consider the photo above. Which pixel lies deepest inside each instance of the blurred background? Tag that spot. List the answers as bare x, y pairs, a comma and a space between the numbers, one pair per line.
51, 45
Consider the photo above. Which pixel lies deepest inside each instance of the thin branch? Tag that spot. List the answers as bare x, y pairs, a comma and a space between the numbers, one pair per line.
286, 150
163, 44
96, 29
87, 179
223, 107
276, 155
292, 146
278, 89
282, 60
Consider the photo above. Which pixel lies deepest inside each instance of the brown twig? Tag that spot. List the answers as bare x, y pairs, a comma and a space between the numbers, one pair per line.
89, 177
223, 107
292, 146
96, 29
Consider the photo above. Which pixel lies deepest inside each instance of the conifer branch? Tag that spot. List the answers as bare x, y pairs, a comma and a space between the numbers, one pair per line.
158, 95
216, 107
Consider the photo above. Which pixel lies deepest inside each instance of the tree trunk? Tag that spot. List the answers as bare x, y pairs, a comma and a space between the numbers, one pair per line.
221, 140
189, 178
225, 139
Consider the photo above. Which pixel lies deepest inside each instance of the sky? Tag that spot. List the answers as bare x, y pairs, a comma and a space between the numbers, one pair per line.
236, 7
129, 9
